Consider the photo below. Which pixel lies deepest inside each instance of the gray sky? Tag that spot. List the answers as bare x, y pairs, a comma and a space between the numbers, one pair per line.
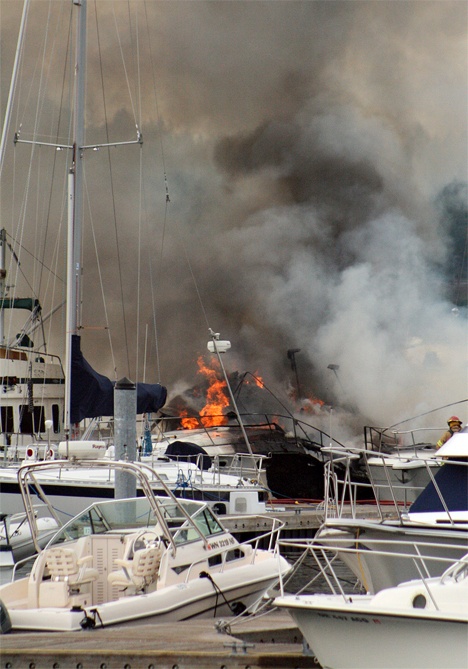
306, 146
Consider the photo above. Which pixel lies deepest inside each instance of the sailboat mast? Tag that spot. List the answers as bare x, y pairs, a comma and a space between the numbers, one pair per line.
75, 204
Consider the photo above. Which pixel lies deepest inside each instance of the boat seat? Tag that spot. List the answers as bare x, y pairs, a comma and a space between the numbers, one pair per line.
68, 574
138, 573
64, 565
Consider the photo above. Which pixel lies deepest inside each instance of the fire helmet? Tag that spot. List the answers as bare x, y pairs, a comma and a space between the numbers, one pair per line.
454, 419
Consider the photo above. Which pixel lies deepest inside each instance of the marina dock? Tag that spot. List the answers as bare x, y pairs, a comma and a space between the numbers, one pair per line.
301, 519
271, 641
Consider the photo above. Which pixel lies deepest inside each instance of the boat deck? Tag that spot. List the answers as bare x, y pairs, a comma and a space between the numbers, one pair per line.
301, 519
269, 641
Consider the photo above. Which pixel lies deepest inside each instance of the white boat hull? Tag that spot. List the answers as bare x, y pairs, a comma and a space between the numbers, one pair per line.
375, 565
351, 637
16, 541
74, 491
407, 478
195, 599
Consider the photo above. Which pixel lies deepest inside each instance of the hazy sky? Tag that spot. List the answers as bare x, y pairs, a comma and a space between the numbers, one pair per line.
316, 162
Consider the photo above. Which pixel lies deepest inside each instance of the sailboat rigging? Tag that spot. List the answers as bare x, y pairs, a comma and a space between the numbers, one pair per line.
88, 394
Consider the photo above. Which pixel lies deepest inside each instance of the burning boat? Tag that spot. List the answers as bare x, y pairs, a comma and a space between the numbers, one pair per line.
238, 415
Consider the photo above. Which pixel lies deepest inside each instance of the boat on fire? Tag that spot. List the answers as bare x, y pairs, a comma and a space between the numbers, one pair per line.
145, 559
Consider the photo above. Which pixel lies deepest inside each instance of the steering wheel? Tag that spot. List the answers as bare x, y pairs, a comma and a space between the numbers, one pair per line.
145, 539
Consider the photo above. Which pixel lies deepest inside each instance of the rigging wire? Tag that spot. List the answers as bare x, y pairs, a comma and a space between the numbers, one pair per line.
101, 283
165, 221
462, 270
123, 61
56, 135
157, 280
48, 50
11, 93
114, 212
140, 196
28, 179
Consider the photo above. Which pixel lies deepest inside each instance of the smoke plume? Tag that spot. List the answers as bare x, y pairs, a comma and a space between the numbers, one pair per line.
315, 159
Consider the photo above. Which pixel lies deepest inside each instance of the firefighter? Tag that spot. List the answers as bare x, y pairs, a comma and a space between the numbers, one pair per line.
455, 425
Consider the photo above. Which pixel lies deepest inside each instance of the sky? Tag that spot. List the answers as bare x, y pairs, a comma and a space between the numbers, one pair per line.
315, 159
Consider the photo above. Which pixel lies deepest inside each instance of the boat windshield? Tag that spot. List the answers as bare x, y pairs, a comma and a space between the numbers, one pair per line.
206, 523
127, 515
109, 516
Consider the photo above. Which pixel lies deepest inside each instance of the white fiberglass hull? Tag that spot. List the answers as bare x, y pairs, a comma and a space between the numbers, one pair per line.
235, 591
377, 564
16, 541
351, 636
75, 490
407, 476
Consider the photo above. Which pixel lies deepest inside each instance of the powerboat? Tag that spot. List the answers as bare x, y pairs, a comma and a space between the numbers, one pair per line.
16, 541
143, 559
436, 523
71, 489
397, 461
419, 623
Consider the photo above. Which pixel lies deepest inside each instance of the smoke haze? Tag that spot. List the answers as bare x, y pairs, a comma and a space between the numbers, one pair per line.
316, 161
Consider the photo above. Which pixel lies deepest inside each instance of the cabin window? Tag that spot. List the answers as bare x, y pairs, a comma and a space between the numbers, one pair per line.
215, 560
31, 422
6, 419
235, 554
207, 523
56, 418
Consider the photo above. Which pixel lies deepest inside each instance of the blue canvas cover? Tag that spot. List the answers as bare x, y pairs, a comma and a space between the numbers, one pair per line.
452, 480
185, 450
92, 394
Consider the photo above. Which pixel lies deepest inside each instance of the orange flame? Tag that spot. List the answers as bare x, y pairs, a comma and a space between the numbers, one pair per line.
311, 404
188, 423
216, 397
256, 379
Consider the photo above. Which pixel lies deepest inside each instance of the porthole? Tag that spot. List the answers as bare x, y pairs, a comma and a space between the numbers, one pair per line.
419, 602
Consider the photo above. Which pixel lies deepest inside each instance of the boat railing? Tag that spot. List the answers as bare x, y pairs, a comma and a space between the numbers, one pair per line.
388, 439
342, 494
323, 558
272, 535
242, 465
20, 567
257, 542
295, 429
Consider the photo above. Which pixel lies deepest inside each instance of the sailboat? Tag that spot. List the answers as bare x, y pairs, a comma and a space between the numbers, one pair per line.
43, 399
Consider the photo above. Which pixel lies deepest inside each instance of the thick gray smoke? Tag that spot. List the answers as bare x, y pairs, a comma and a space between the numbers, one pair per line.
316, 160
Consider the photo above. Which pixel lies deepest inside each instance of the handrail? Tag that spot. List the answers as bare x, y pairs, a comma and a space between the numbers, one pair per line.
338, 496
324, 547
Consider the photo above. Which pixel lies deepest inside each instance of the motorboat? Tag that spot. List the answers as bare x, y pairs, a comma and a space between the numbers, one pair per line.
16, 541
71, 489
43, 402
143, 559
397, 461
419, 623
436, 522
291, 450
